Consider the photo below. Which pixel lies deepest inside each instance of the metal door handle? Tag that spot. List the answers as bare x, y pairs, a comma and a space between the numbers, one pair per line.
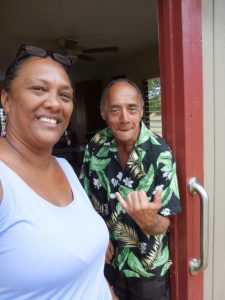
197, 265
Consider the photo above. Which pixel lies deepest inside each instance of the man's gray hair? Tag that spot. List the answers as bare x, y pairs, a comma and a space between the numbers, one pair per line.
105, 92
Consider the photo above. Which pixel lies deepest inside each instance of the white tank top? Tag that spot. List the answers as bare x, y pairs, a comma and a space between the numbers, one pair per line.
46, 251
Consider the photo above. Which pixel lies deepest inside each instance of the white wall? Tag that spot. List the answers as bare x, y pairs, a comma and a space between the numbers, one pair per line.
214, 141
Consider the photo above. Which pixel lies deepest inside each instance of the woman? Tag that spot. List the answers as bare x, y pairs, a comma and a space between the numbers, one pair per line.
52, 243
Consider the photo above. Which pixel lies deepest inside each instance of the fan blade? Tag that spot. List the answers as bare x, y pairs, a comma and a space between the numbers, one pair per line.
85, 57
103, 49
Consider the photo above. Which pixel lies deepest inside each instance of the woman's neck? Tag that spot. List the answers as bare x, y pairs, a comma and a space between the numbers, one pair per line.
26, 155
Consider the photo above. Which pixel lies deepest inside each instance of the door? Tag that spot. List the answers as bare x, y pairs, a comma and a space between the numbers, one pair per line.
181, 84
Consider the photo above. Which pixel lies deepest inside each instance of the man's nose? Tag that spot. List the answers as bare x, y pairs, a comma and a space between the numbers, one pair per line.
124, 115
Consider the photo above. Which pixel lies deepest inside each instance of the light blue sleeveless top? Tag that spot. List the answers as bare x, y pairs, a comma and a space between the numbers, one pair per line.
46, 251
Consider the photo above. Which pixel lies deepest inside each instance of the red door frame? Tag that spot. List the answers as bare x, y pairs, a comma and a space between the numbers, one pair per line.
182, 111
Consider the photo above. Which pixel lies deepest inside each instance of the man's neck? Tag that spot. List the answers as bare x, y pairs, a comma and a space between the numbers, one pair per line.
124, 150
125, 147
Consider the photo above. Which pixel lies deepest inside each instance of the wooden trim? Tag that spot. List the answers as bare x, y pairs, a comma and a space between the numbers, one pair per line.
182, 112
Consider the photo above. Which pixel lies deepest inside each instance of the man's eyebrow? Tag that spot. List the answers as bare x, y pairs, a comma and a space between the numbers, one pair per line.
67, 87
114, 106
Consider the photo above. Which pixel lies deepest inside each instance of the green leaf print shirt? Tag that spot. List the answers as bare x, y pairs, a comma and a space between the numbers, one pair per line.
149, 166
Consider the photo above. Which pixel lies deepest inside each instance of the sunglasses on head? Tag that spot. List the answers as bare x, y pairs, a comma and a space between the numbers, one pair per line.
29, 50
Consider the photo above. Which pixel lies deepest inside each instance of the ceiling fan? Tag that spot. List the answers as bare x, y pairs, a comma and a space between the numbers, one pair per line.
74, 51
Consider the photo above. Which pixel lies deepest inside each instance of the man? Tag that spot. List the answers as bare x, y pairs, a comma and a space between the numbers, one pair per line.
130, 176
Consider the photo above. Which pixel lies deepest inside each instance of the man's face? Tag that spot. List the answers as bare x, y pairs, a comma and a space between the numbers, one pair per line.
122, 110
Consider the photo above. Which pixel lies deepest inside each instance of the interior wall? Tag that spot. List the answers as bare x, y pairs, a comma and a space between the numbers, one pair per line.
141, 66
214, 142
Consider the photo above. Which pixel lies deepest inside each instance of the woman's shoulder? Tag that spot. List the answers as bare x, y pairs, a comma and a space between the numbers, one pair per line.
1, 192
66, 167
63, 162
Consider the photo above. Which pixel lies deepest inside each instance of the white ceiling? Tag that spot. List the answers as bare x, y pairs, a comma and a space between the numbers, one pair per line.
131, 25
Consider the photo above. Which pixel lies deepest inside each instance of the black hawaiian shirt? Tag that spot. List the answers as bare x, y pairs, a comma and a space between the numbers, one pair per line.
150, 166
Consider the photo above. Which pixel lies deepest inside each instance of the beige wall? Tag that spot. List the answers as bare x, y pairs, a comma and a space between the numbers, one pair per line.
214, 141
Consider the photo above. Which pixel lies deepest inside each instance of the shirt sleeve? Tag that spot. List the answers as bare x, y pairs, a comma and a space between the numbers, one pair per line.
84, 174
167, 180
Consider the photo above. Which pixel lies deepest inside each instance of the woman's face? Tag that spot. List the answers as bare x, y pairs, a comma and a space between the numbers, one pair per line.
39, 103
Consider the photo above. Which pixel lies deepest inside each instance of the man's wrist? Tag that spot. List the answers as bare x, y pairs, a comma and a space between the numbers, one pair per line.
154, 228
160, 225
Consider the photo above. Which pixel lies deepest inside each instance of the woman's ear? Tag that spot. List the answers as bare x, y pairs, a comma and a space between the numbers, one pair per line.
5, 100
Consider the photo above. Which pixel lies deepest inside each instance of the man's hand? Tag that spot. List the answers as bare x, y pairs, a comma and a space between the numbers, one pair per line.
145, 213
114, 297
109, 253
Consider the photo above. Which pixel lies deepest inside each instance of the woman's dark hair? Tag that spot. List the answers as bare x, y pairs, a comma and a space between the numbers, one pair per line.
11, 74
13, 69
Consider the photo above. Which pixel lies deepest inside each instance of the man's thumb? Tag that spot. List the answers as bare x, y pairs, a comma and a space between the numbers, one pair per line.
157, 198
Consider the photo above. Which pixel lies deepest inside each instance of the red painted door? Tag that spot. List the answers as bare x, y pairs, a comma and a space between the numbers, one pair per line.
181, 84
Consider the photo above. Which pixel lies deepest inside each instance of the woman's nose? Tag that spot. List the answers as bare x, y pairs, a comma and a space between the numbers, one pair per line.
52, 101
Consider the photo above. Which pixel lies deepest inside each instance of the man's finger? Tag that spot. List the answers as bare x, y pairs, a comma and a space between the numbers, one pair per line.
121, 200
143, 199
157, 203
158, 196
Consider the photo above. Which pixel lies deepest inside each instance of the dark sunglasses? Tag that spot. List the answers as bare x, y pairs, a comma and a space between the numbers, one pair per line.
29, 50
